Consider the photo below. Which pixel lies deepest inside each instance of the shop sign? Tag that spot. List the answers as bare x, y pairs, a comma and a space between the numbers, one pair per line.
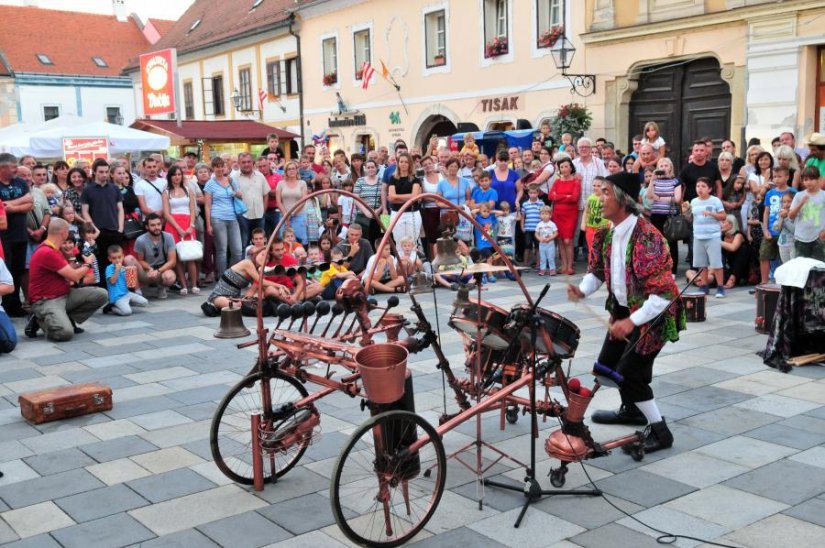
157, 75
85, 148
348, 121
501, 104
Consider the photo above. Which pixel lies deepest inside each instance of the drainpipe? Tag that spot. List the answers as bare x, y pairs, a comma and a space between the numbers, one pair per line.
300, 77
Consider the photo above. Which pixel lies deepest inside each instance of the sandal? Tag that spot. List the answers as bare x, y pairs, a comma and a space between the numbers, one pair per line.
196, 290
183, 292
731, 283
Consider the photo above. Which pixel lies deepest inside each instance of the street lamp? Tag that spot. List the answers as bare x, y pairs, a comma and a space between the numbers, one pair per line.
238, 101
580, 84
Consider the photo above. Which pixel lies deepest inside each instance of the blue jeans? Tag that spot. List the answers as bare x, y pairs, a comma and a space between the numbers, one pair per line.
226, 233
547, 256
247, 226
271, 219
8, 336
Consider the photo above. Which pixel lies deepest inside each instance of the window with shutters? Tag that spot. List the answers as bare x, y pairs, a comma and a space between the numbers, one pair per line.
273, 78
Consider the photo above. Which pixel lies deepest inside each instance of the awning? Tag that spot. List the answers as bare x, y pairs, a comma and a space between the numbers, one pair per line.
219, 131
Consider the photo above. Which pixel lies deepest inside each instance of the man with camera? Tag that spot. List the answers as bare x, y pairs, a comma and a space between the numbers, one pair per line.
154, 256
56, 305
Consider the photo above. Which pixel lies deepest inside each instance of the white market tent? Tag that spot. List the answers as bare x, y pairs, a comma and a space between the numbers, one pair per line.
46, 140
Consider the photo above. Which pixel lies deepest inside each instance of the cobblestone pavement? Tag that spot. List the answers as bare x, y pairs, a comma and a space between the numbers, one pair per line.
747, 467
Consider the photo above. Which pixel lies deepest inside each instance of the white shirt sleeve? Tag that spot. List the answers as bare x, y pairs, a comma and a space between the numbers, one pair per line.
589, 284
652, 307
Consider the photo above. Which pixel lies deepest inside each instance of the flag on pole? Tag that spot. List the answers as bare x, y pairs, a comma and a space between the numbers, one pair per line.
385, 72
262, 96
367, 71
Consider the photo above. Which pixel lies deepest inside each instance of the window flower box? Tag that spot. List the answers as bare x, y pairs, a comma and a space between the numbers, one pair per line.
330, 78
549, 37
495, 47
439, 60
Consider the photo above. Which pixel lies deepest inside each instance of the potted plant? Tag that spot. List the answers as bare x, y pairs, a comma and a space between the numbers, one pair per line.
497, 46
439, 60
574, 119
330, 78
549, 38
359, 74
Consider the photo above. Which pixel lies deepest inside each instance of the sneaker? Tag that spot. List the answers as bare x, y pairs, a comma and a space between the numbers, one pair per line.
704, 290
161, 292
541, 272
551, 272
196, 290
138, 291
32, 327
108, 308
492, 279
484, 279
210, 310
184, 292
176, 286
720, 292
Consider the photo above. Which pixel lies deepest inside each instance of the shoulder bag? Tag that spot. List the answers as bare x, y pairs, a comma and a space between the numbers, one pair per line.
676, 227
189, 250
239, 205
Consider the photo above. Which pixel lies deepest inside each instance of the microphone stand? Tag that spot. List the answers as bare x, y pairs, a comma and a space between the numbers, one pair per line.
532, 489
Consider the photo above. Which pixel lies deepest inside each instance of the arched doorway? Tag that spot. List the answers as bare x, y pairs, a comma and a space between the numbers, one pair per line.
435, 124
688, 101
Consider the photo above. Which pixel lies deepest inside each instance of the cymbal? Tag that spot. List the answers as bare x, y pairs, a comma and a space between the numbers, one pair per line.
484, 268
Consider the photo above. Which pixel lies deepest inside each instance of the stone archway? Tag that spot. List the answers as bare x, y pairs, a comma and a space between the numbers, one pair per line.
436, 120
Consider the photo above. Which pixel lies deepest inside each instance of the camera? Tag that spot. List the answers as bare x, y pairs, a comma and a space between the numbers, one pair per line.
659, 173
89, 250
419, 173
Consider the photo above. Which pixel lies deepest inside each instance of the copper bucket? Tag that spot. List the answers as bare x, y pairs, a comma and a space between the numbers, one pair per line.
383, 368
576, 406
131, 277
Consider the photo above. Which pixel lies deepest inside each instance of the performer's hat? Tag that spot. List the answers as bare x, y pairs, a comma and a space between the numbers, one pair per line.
628, 182
817, 139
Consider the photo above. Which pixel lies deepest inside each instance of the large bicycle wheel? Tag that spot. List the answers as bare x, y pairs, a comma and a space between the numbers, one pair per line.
282, 442
382, 494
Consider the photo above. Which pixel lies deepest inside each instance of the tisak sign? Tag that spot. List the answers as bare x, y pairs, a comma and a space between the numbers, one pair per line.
157, 74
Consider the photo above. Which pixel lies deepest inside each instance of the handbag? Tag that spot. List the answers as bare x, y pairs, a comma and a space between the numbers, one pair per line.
132, 228
676, 227
189, 250
237, 203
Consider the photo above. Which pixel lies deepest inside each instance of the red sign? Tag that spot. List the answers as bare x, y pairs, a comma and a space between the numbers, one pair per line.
85, 148
157, 74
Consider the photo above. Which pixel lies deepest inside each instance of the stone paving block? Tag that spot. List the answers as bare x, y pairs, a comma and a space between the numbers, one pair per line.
213, 393
59, 461
60, 357
21, 374
7, 534
314, 538
763, 382
675, 522
695, 377
165, 460
779, 405
198, 509
141, 406
15, 471
726, 506
613, 535
199, 411
705, 398
298, 482
71, 423
159, 375
814, 456
33, 491
537, 529
170, 485
139, 391
812, 392
18, 430
171, 351
787, 481
200, 381
695, 469
293, 517
117, 471
746, 451
98, 375
586, 511
778, 530
211, 472
106, 451
249, 529
36, 519
785, 435
812, 511
39, 541
56, 441
178, 435
11, 450
35, 384
461, 536
114, 429
190, 538
159, 419
806, 423
734, 420
100, 503
643, 488
494, 498
108, 532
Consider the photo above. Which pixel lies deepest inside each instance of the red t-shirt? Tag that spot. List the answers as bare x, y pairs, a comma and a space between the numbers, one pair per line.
287, 261
273, 179
44, 281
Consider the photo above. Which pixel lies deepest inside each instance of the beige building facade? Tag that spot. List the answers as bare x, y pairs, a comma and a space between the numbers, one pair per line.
454, 62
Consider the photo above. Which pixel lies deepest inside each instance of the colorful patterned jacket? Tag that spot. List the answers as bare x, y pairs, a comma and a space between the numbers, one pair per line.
648, 268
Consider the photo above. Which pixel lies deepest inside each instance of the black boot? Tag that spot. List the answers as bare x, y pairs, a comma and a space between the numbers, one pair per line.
32, 327
77, 330
658, 436
627, 414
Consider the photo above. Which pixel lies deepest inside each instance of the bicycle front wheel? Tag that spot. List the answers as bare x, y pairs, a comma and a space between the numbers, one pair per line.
230, 436
383, 494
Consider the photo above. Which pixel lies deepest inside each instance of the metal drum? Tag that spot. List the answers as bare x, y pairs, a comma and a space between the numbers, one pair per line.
767, 296
485, 317
694, 304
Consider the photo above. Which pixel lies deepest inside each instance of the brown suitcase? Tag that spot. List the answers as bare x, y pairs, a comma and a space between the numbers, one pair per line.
64, 402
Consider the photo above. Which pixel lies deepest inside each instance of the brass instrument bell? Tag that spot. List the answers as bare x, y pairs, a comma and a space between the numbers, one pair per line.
232, 326
446, 253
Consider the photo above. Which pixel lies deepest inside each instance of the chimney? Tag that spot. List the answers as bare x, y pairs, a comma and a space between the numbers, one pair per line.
119, 9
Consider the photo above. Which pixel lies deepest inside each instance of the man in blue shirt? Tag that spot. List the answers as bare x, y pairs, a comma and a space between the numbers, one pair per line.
14, 192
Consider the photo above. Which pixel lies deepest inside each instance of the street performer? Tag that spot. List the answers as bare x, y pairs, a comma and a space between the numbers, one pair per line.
633, 258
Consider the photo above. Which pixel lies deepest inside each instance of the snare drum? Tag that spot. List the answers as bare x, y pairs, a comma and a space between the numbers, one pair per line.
694, 304
767, 296
564, 334
485, 317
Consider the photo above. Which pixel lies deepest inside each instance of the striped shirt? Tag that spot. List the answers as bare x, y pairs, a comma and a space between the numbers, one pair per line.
532, 214
665, 188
